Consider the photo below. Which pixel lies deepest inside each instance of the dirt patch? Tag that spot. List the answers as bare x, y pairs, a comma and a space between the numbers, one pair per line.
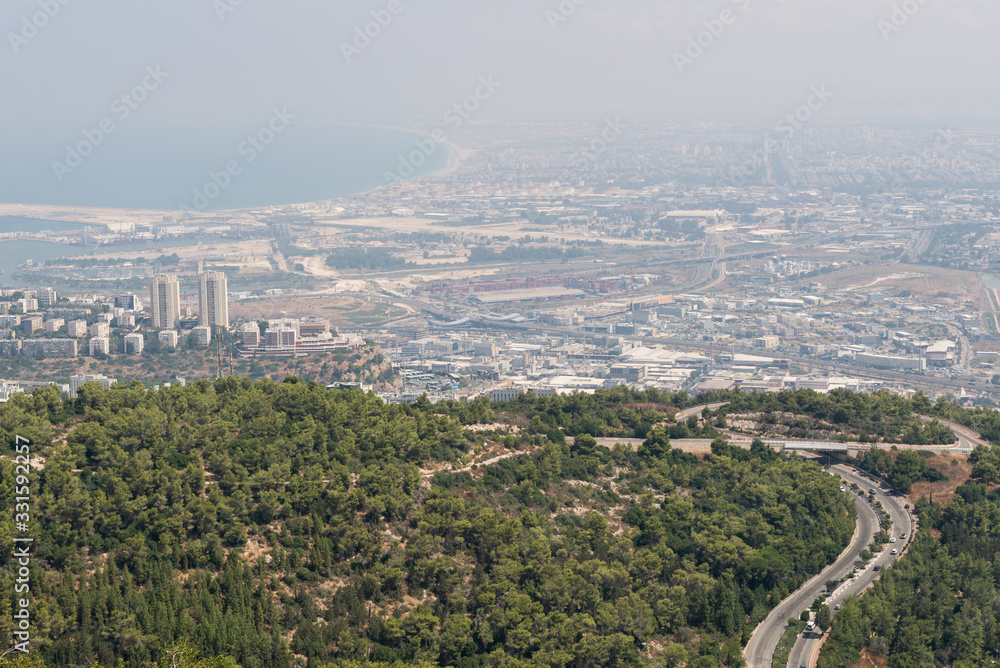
869, 660
337, 308
954, 465
253, 550
923, 282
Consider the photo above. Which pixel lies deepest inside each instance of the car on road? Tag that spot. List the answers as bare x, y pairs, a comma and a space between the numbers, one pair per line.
837, 607
892, 539
894, 551
843, 489
902, 536
872, 490
877, 567
810, 626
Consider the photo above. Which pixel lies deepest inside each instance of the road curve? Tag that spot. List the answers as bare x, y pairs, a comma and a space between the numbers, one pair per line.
696, 410
764, 640
902, 523
967, 439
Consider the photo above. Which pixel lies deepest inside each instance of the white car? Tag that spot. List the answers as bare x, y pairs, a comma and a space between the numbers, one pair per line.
843, 489
894, 551
892, 540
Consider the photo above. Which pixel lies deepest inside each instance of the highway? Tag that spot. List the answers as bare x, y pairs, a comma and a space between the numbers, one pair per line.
902, 523
696, 445
696, 410
764, 640
760, 650
967, 439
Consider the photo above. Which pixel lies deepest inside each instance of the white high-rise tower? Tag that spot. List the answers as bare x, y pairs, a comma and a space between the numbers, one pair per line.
165, 301
213, 299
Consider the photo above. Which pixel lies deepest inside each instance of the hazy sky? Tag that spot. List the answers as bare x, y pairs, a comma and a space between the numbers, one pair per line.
606, 58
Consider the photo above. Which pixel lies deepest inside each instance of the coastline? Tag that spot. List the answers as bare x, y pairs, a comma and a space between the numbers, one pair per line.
119, 219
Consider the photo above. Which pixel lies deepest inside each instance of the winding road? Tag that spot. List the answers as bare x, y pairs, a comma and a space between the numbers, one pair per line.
759, 651
808, 643
764, 640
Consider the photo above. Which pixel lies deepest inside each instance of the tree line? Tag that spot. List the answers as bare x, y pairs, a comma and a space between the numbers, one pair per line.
937, 607
271, 524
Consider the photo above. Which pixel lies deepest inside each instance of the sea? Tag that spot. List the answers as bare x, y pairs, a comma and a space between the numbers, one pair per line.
210, 169
205, 169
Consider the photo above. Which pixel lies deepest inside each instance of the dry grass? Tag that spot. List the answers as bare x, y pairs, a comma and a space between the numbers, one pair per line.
869, 660
922, 281
335, 308
954, 465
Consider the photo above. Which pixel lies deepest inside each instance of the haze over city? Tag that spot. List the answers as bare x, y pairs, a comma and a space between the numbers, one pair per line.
561, 334
232, 63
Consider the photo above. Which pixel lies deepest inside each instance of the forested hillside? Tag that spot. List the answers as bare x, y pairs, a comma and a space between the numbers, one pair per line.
875, 417
281, 524
939, 606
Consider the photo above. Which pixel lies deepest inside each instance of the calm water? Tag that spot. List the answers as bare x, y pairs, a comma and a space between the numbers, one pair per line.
139, 169
168, 169
15, 224
13, 253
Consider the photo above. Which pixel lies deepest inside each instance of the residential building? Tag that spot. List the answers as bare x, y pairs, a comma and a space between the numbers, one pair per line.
165, 301
30, 323
100, 329
203, 335
168, 339
46, 297
134, 343
213, 299
8, 390
100, 345
76, 329
10, 347
128, 302
49, 348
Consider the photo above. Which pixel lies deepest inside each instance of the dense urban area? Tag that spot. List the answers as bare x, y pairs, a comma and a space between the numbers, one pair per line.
860, 258
594, 395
